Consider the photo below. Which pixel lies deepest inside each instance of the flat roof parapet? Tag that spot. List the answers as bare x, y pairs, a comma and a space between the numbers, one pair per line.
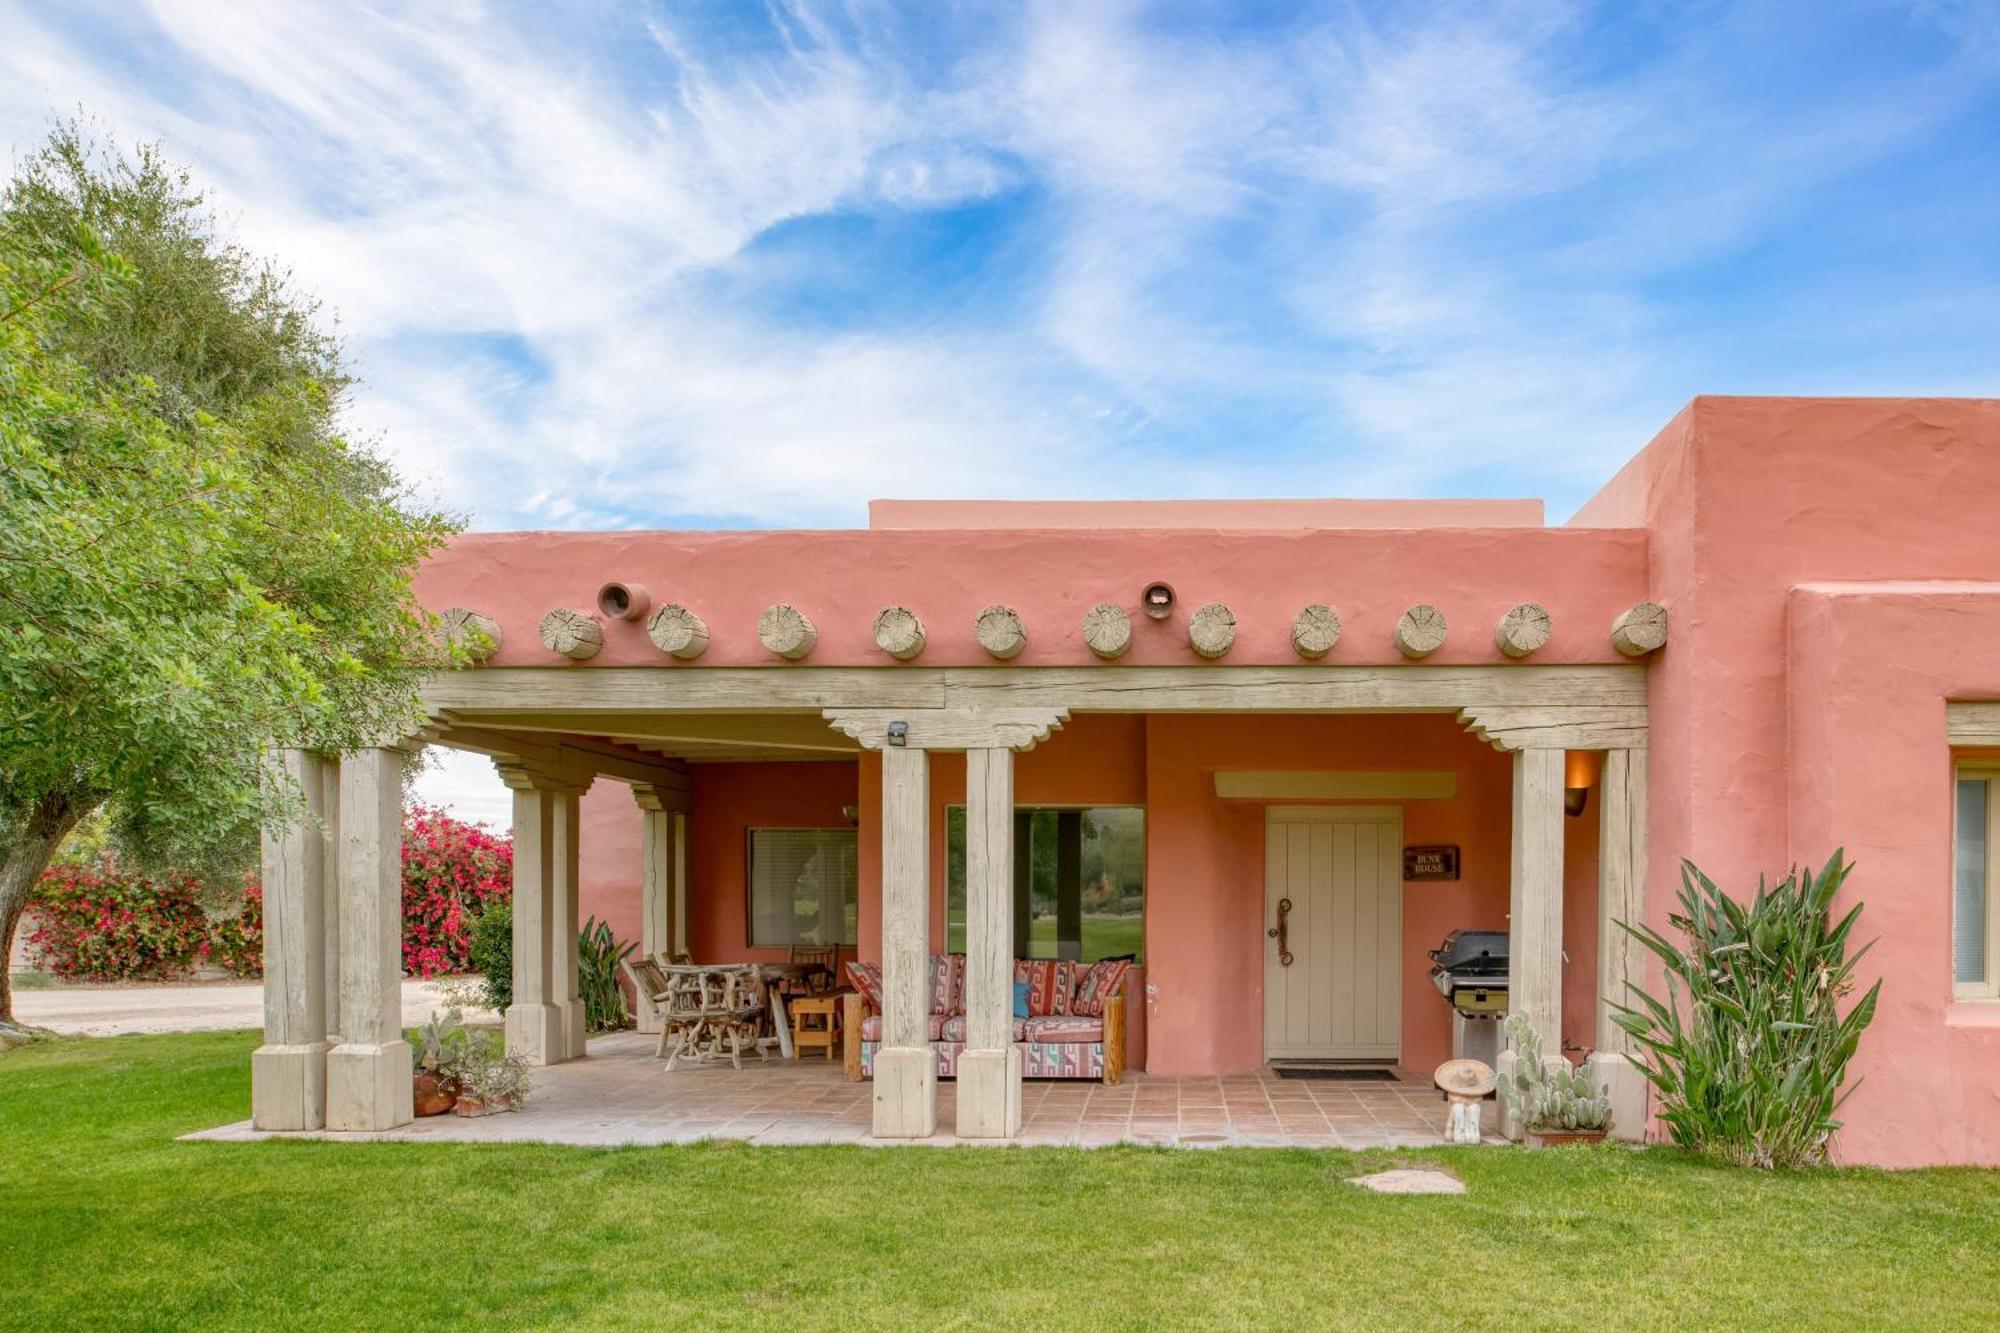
1226, 515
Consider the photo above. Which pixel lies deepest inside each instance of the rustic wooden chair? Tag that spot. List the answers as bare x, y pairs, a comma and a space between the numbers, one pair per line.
711, 1012
650, 984
824, 962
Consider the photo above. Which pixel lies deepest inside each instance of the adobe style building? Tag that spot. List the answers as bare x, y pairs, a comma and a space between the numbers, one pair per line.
1276, 750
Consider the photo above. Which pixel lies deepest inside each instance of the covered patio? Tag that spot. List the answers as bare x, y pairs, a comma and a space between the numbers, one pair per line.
619, 1094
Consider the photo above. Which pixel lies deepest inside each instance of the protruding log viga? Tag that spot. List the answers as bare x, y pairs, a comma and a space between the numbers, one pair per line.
1212, 630
1641, 630
899, 633
785, 631
1420, 631
1107, 630
478, 635
1523, 630
1000, 632
678, 632
572, 633
1315, 630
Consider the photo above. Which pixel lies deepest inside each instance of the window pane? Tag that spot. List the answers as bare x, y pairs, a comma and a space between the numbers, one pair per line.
1086, 882
954, 879
1043, 896
1968, 899
1114, 883
803, 887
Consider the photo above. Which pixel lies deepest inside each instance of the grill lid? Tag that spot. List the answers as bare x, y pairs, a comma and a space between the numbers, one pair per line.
1473, 953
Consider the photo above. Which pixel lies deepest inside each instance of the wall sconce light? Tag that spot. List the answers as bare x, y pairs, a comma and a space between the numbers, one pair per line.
1580, 768
899, 734
1158, 600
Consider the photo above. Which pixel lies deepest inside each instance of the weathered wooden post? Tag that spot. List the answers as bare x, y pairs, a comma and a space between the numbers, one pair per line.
572, 633
1420, 631
785, 631
1523, 630
1212, 630
1107, 630
1314, 631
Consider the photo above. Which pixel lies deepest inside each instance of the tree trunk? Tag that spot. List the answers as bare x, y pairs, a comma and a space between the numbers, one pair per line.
30, 833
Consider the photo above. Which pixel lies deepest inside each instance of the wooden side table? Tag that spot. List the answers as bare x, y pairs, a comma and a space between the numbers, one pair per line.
815, 1024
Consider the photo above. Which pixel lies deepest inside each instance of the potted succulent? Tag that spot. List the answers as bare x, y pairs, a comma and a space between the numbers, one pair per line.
437, 1050
489, 1080
1553, 1102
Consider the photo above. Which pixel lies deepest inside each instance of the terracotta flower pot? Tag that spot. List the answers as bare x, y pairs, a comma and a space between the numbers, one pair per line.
432, 1094
472, 1106
1556, 1138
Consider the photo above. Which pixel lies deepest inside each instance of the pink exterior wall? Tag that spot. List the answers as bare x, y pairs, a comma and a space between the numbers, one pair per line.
729, 800
1799, 704
1235, 515
1871, 771
841, 579
1205, 858
1205, 871
611, 857
1777, 735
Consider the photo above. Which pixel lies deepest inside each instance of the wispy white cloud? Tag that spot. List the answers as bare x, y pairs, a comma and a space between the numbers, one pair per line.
1361, 250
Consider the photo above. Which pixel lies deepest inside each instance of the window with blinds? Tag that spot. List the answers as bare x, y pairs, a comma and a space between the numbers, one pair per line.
1975, 925
803, 886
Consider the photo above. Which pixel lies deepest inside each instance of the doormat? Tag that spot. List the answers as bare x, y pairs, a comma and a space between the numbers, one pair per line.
1352, 1073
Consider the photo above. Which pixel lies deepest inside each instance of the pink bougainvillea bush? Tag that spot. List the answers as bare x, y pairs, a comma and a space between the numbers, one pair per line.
451, 871
98, 923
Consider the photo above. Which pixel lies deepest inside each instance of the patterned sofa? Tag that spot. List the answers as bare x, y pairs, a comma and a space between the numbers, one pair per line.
1082, 1023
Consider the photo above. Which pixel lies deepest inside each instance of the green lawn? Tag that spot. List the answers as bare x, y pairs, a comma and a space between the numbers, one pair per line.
105, 1220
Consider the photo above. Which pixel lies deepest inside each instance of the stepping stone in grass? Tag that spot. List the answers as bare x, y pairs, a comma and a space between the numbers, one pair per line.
1411, 1181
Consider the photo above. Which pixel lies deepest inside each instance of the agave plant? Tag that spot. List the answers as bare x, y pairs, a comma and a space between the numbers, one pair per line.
1750, 1067
598, 955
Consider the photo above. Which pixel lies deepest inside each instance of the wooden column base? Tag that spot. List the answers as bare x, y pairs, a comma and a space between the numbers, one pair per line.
288, 1087
1630, 1093
535, 1032
905, 1092
569, 1029
989, 1094
369, 1087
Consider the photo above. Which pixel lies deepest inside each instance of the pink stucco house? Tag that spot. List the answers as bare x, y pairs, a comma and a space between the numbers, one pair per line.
1097, 729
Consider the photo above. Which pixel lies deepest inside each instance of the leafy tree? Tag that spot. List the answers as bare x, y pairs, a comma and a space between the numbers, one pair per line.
194, 560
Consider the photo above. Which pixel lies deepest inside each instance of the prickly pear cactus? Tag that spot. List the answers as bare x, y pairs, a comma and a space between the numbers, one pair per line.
1550, 1096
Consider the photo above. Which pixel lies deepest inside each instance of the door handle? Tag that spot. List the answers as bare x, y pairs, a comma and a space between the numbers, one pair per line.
1282, 931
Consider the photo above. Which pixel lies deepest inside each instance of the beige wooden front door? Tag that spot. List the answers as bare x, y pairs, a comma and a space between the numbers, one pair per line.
1334, 875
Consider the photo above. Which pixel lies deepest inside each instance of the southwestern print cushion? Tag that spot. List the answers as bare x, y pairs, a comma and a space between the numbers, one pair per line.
1062, 1027
868, 980
934, 1028
1050, 981
1094, 987
945, 978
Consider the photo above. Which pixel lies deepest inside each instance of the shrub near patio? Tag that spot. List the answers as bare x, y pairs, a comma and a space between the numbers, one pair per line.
1750, 1068
98, 923
453, 872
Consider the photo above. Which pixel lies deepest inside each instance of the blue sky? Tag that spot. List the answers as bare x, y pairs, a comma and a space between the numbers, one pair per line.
714, 264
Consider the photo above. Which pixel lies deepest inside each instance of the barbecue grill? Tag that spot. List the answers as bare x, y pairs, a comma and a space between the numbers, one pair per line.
1470, 971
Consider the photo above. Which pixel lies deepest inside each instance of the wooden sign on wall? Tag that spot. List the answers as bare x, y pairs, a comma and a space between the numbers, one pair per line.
1436, 862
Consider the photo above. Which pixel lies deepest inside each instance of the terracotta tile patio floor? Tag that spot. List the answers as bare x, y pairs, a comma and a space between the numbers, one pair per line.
621, 1094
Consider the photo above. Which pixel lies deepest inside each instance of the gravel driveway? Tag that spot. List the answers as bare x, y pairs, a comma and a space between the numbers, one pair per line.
109, 1011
